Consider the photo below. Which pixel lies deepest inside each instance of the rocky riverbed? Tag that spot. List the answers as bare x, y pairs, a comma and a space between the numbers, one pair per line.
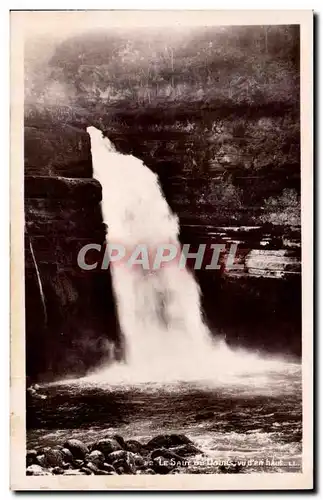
163, 454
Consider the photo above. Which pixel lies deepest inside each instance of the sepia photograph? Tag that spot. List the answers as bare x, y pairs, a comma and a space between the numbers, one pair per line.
161, 245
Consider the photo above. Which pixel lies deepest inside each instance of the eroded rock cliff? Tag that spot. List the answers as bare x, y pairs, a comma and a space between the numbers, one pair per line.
70, 315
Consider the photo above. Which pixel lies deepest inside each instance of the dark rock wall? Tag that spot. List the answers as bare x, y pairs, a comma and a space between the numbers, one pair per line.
72, 329
217, 168
215, 165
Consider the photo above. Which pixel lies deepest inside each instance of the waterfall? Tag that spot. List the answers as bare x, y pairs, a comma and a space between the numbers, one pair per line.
159, 310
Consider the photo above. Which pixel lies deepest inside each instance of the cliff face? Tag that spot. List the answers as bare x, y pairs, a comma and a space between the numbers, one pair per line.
217, 166
216, 113
70, 316
259, 306
232, 178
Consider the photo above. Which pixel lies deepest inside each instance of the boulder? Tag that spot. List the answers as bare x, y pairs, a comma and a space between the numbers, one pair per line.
96, 457
58, 470
186, 450
127, 466
117, 455
167, 441
67, 455
120, 440
87, 471
36, 470
204, 415
41, 460
166, 454
53, 457
107, 445
162, 465
165, 460
134, 446
31, 456
176, 471
92, 467
77, 448
139, 461
108, 468
124, 459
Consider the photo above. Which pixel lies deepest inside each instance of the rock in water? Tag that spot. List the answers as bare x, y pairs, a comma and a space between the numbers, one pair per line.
36, 470
96, 457
168, 441
31, 456
230, 469
107, 446
134, 446
186, 450
77, 448
117, 455
124, 460
40, 460
67, 455
119, 440
139, 461
58, 470
166, 454
108, 468
73, 473
53, 457
162, 466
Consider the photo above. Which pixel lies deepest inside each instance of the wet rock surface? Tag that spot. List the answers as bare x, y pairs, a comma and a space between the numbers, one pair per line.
107, 446
68, 328
164, 454
77, 448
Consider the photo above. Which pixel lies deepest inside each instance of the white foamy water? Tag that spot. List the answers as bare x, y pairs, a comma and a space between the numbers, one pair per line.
159, 311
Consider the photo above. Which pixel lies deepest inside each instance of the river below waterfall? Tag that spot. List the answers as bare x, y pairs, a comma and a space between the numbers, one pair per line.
258, 418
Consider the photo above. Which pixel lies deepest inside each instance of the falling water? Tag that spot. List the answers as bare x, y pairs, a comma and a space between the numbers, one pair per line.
159, 311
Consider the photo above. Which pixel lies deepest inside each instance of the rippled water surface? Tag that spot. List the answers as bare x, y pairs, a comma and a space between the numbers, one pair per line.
255, 418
